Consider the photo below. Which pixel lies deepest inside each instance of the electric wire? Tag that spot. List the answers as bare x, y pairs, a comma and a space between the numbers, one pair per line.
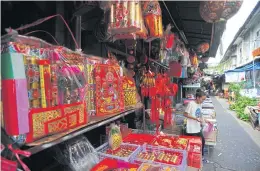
36, 31
40, 21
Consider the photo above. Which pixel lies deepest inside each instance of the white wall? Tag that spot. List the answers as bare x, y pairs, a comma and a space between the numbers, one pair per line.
255, 29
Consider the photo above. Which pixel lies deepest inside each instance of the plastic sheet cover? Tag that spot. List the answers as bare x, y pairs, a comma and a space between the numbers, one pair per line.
45, 88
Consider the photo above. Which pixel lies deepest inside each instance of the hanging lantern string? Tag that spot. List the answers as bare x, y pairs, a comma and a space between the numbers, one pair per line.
35, 31
42, 20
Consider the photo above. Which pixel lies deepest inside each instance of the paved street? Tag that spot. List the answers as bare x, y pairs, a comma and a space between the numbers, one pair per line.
238, 146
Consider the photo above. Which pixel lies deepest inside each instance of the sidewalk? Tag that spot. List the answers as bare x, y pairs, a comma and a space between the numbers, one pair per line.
238, 147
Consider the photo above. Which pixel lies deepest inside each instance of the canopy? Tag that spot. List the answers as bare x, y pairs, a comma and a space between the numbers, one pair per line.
247, 67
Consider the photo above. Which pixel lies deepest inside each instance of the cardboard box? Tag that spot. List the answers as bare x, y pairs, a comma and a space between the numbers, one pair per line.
212, 136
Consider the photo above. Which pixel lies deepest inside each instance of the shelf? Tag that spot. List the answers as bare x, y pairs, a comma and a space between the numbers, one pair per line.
192, 86
53, 140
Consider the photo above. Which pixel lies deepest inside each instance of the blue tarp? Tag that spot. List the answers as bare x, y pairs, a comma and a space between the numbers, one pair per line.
247, 67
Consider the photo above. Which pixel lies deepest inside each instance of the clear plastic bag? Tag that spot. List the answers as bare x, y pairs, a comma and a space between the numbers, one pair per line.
78, 154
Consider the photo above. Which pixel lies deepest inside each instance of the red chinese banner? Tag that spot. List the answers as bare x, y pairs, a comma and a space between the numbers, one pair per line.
47, 121
109, 90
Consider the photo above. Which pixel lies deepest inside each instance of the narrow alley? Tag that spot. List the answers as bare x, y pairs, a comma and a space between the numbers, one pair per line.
238, 147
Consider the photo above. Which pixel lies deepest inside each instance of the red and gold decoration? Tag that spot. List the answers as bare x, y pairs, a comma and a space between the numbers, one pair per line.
91, 90
148, 84
130, 92
153, 19
46, 121
49, 86
139, 139
109, 89
115, 165
214, 11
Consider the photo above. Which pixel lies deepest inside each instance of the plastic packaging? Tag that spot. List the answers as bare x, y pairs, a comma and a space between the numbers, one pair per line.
114, 137
50, 88
78, 154
124, 17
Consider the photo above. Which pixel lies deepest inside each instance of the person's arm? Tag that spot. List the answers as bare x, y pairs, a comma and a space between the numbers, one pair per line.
191, 117
187, 113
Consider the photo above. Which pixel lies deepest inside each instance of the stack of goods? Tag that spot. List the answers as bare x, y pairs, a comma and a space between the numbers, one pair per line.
208, 113
46, 89
115, 148
207, 106
171, 142
50, 89
170, 157
194, 152
130, 92
157, 152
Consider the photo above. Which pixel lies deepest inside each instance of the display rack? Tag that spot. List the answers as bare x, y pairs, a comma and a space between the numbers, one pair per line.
192, 85
53, 140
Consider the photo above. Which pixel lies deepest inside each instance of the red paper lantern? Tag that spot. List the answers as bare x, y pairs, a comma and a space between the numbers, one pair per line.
203, 47
214, 11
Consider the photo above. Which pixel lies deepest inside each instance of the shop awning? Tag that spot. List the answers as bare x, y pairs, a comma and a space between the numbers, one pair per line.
247, 67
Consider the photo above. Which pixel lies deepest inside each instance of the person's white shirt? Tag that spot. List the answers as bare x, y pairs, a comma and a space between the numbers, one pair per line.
193, 109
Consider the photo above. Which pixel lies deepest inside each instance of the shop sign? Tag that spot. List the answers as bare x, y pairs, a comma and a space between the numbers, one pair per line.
252, 93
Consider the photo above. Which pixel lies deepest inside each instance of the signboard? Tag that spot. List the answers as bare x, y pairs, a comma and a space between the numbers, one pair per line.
252, 93
233, 77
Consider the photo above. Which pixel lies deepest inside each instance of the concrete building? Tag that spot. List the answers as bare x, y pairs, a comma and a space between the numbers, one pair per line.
245, 41
238, 62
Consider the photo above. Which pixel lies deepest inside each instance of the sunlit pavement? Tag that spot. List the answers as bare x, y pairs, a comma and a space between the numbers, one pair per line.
238, 144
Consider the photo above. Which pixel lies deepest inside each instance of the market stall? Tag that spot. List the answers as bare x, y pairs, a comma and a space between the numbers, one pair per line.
52, 94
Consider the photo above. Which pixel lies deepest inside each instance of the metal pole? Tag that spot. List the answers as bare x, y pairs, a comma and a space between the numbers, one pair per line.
254, 68
143, 114
78, 30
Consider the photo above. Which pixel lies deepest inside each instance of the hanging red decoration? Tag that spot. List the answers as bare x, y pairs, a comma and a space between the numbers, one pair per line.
214, 11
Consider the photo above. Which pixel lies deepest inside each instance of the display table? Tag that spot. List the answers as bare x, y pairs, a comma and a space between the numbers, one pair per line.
149, 149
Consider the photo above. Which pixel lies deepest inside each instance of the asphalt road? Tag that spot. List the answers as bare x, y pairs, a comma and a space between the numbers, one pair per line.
238, 145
